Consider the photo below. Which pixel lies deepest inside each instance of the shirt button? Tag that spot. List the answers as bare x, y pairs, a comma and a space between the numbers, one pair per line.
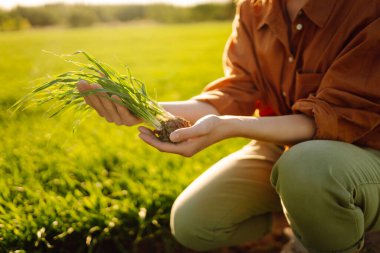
284, 94
290, 59
299, 27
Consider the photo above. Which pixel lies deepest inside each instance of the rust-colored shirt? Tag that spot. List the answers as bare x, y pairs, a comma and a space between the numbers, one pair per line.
325, 64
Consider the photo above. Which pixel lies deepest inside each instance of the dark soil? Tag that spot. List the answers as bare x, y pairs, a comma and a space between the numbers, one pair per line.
169, 126
268, 244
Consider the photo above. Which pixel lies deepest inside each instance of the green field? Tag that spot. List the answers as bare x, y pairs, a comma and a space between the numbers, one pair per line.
100, 189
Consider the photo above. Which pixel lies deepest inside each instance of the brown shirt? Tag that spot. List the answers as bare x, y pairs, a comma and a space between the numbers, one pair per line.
325, 64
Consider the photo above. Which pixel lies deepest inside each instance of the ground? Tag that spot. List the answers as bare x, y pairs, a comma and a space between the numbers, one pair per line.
99, 186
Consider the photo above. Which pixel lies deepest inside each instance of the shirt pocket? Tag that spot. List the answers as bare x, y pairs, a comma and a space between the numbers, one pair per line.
306, 83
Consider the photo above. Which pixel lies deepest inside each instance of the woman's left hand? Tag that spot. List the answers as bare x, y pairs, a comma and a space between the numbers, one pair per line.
190, 140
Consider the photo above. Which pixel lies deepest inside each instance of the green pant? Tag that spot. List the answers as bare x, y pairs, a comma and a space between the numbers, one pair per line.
329, 191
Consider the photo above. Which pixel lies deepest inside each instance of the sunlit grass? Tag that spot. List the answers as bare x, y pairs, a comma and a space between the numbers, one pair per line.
100, 187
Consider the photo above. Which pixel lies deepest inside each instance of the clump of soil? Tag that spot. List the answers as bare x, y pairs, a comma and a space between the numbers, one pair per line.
170, 126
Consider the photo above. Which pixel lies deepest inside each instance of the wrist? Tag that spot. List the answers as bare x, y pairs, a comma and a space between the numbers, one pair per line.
235, 126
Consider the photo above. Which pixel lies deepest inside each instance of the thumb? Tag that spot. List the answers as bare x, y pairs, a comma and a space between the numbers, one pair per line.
183, 134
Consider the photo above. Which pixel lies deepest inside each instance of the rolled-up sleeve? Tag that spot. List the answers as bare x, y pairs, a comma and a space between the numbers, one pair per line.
235, 93
346, 106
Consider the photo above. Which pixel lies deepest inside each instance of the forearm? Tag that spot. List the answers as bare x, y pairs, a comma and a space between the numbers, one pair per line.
288, 129
191, 110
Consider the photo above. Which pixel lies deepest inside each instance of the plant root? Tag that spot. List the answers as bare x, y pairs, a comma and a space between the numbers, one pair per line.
170, 126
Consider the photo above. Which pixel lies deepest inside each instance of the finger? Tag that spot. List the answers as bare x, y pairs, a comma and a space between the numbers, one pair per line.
187, 133
82, 87
159, 145
148, 136
96, 103
110, 108
126, 117
186, 148
145, 130
91, 99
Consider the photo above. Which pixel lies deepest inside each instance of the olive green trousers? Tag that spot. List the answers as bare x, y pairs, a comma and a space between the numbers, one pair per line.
328, 190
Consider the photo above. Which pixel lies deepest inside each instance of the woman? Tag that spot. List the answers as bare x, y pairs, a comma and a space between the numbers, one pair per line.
312, 68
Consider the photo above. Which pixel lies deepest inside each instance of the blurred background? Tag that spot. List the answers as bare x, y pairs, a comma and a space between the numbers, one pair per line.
23, 14
100, 189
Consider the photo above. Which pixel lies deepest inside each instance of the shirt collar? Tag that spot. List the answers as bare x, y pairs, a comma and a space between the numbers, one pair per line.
319, 11
267, 11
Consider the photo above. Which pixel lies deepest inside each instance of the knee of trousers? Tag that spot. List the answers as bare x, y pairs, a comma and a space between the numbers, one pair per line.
193, 228
309, 171
314, 192
187, 229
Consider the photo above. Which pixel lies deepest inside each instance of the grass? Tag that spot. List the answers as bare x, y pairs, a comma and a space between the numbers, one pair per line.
62, 94
100, 189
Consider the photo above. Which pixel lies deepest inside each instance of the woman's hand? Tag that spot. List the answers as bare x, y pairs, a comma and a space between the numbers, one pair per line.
112, 112
286, 129
190, 140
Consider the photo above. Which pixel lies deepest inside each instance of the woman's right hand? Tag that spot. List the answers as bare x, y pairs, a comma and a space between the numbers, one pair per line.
112, 112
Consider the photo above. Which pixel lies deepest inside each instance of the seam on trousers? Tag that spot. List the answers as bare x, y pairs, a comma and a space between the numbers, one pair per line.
214, 229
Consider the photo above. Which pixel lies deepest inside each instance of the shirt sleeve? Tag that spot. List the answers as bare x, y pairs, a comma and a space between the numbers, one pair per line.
235, 93
346, 106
